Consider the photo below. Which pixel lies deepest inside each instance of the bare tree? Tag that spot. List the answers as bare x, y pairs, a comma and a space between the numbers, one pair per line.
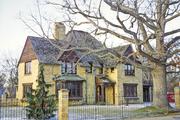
9, 69
2, 80
173, 73
140, 22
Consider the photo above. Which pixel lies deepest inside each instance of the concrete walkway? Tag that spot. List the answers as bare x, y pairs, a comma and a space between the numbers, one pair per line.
173, 117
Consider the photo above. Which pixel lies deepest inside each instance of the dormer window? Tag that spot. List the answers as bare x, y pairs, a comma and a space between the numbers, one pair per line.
28, 67
112, 70
68, 67
101, 69
129, 70
90, 68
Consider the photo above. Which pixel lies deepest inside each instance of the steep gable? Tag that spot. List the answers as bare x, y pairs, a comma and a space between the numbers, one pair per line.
28, 53
46, 50
128, 50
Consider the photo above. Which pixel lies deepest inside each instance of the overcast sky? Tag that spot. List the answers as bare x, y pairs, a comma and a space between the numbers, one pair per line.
13, 32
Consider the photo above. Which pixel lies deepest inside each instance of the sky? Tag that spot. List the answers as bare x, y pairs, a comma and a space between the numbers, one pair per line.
13, 32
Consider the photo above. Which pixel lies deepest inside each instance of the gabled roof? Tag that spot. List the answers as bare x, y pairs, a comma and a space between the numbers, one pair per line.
108, 57
50, 51
77, 38
46, 50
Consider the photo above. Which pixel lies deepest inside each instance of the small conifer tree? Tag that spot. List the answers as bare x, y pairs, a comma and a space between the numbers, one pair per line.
41, 105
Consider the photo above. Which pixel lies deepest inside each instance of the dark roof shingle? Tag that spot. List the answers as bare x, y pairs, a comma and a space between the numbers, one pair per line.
45, 50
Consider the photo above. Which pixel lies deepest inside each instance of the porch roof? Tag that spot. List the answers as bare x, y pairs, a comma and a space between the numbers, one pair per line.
68, 77
104, 80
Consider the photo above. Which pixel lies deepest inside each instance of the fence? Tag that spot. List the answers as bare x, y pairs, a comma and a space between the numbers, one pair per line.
89, 109
79, 109
12, 109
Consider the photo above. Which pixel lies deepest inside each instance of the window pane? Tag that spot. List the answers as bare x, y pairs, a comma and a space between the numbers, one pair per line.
129, 69
74, 89
130, 90
68, 68
27, 88
63, 66
27, 67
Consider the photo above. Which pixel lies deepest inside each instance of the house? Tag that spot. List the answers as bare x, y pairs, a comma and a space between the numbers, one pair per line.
100, 77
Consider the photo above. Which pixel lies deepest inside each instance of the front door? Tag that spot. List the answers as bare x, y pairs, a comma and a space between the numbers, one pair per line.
100, 94
146, 94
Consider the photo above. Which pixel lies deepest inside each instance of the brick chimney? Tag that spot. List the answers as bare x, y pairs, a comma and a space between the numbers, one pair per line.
59, 31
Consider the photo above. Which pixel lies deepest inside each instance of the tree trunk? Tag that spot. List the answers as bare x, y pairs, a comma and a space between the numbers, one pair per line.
160, 87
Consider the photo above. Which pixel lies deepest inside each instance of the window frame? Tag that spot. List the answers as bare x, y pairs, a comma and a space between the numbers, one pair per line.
130, 90
68, 67
101, 69
28, 67
112, 69
75, 88
129, 70
26, 85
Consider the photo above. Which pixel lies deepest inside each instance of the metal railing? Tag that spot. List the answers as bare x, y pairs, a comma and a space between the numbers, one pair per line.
12, 109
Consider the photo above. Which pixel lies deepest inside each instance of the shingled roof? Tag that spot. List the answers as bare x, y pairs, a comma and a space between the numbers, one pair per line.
45, 50
77, 38
108, 57
48, 52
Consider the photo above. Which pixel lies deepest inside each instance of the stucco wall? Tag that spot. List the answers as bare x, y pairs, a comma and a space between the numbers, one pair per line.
137, 79
49, 72
27, 78
89, 89
113, 75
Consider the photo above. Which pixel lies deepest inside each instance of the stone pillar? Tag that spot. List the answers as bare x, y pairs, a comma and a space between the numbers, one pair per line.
177, 97
63, 104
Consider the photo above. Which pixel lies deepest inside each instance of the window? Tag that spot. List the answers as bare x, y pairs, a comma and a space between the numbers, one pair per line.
27, 88
89, 69
28, 67
101, 69
129, 70
112, 69
130, 90
75, 88
68, 67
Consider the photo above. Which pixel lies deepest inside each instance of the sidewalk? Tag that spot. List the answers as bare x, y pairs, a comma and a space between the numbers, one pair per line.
173, 117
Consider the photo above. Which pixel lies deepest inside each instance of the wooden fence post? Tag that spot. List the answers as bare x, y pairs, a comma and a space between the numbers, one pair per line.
63, 104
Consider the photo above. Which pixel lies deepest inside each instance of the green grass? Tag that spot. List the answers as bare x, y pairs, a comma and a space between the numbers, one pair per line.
149, 111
